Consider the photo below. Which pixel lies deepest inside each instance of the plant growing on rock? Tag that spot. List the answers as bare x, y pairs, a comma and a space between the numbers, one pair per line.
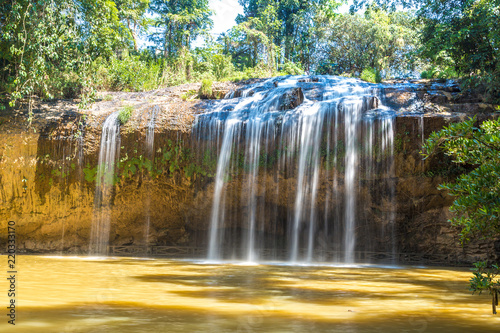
206, 88
477, 205
371, 75
125, 114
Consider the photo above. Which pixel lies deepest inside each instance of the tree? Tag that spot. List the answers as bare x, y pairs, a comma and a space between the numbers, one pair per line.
37, 40
378, 40
288, 24
249, 45
132, 13
46, 45
100, 31
477, 205
463, 35
468, 32
179, 22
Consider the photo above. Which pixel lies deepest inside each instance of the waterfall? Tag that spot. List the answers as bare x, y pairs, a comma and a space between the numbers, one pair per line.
150, 132
149, 148
108, 155
292, 156
351, 115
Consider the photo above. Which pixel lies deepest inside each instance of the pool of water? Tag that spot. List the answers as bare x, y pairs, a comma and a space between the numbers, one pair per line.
82, 294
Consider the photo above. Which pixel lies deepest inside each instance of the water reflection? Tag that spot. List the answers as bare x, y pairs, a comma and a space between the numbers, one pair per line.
71, 294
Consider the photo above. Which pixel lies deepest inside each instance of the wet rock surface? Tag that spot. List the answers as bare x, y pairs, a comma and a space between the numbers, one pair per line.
291, 99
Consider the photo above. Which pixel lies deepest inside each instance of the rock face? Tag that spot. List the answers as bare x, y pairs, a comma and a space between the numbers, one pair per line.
47, 175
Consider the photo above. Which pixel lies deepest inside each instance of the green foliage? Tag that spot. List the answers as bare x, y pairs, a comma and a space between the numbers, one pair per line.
442, 67
439, 72
125, 114
326, 68
484, 279
221, 66
189, 94
46, 46
90, 173
66, 49
477, 203
378, 39
371, 75
291, 68
178, 23
468, 33
249, 45
281, 31
260, 71
206, 88
132, 14
130, 166
128, 73
36, 43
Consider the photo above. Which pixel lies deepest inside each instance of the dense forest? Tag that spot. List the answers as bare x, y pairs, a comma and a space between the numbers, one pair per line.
64, 49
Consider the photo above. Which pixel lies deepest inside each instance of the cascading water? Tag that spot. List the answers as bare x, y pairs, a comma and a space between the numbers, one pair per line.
150, 132
149, 148
108, 155
291, 153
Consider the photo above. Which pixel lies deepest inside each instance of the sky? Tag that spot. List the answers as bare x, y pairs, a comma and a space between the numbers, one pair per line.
225, 14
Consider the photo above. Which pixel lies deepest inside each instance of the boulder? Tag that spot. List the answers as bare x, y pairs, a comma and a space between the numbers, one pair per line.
291, 99
370, 103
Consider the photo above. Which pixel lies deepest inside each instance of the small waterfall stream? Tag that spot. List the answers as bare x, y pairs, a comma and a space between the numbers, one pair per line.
294, 170
149, 149
108, 154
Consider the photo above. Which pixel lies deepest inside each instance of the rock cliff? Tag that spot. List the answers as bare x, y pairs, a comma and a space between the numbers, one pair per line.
47, 174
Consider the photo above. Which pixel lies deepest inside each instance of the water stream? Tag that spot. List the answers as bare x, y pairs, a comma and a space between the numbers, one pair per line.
299, 163
149, 148
108, 154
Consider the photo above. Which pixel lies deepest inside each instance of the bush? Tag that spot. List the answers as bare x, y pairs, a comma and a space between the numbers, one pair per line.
291, 68
259, 71
64, 84
206, 89
439, 72
125, 114
371, 75
127, 73
221, 66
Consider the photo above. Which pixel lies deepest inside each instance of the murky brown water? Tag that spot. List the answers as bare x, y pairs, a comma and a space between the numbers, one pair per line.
70, 294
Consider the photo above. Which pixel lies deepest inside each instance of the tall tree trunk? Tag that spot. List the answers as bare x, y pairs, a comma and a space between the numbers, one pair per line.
170, 39
255, 53
167, 43
133, 33
188, 59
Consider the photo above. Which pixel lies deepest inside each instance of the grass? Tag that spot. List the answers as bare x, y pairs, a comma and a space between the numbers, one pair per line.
125, 114
206, 88
188, 95
437, 72
371, 75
